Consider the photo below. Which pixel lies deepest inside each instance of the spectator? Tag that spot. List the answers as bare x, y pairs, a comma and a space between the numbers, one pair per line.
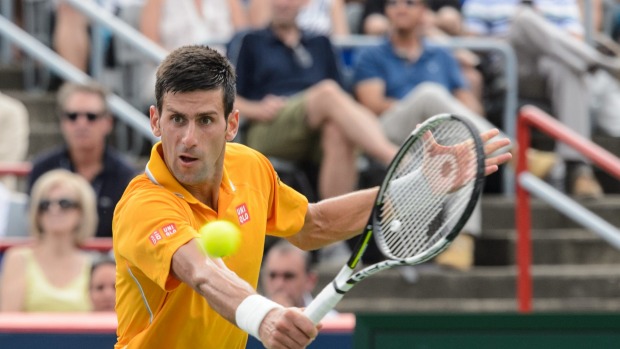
52, 274
176, 23
85, 123
406, 80
325, 17
102, 286
440, 20
288, 277
13, 135
288, 84
554, 62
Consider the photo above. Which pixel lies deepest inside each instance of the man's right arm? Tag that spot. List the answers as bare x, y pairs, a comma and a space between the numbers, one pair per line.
264, 110
237, 301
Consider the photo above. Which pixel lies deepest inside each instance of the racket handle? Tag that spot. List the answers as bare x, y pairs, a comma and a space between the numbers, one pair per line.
323, 303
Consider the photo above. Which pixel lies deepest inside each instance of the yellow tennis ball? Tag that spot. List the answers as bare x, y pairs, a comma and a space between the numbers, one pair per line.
219, 238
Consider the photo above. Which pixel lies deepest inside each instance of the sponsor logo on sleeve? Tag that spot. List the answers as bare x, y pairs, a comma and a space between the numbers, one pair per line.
243, 214
164, 231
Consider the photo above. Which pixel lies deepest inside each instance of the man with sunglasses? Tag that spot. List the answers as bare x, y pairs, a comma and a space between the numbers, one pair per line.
85, 123
288, 277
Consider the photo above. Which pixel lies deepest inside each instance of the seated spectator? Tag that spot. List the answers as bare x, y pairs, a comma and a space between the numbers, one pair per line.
287, 275
288, 87
440, 20
406, 80
53, 273
86, 122
13, 135
102, 286
176, 23
554, 63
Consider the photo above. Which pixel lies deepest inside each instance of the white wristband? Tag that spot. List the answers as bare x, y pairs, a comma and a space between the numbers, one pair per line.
251, 312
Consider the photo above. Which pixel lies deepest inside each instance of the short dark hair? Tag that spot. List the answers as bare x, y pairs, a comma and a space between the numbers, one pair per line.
193, 68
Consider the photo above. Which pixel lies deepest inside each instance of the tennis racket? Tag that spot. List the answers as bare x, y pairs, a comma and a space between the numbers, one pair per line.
425, 199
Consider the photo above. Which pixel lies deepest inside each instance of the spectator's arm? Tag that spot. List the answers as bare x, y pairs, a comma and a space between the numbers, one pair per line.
263, 110
70, 38
371, 94
150, 19
12, 282
238, 15
340, 25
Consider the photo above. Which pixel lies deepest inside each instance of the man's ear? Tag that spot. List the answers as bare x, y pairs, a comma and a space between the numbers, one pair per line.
232, 125
155, 121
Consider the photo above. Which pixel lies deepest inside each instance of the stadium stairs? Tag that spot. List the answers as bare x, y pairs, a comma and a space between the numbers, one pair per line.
574, 270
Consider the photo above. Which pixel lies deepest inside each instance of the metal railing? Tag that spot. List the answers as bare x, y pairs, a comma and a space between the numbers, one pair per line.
57, 64
532, 117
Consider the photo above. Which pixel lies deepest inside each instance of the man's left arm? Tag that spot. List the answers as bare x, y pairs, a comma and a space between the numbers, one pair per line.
335, 219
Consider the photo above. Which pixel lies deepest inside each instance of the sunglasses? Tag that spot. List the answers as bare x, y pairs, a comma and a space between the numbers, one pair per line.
64, 204
409, 3
73, 116
287, 275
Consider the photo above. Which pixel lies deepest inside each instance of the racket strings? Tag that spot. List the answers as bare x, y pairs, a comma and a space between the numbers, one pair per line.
429, 190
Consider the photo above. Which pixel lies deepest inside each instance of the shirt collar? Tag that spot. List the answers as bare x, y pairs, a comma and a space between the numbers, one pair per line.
157, 171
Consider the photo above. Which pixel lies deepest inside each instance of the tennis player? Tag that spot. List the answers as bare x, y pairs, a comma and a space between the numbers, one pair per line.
168, 294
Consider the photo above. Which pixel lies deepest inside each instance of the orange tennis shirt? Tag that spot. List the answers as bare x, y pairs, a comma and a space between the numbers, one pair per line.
156, 216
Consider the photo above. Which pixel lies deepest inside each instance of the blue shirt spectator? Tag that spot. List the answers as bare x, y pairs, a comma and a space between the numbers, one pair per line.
436, 64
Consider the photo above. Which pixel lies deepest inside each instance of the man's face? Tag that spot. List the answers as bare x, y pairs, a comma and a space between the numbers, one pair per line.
405, 14
284, 12
285, 278
194, 133
84, 122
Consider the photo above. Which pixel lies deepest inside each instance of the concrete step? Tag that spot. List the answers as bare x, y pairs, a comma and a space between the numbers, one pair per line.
574, 287
499, 212
549, 246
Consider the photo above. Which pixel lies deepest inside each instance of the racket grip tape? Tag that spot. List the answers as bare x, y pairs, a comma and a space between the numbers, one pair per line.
323, 303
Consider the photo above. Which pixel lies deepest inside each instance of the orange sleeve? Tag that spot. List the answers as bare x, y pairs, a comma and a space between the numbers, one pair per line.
148, 241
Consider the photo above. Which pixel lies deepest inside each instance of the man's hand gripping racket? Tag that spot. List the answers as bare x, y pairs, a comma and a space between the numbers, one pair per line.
427, 196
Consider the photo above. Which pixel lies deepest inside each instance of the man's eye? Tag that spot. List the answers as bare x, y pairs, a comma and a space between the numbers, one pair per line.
177, 119
205, 121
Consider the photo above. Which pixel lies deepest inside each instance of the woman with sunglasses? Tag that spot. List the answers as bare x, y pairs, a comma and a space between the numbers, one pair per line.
52, 274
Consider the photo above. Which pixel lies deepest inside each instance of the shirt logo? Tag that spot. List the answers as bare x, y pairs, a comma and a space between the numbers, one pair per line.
155, 237
167, 230
243, 214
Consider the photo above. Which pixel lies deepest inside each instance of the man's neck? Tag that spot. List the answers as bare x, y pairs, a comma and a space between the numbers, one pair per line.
288, 33
407, 44
87, 162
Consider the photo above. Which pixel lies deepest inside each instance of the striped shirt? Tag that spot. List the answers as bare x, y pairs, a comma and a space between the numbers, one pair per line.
493, 17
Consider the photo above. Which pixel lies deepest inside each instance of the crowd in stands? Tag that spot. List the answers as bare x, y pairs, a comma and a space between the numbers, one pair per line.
298, 105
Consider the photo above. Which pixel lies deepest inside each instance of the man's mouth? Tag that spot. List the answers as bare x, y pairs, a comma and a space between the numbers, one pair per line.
187, 159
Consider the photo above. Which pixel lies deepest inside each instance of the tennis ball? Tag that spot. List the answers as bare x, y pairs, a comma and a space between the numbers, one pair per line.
219, 238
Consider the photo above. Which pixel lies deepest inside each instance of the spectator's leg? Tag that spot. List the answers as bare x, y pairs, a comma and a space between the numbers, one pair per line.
327, 102
426, 100
570, 101
532, 32
338, 171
